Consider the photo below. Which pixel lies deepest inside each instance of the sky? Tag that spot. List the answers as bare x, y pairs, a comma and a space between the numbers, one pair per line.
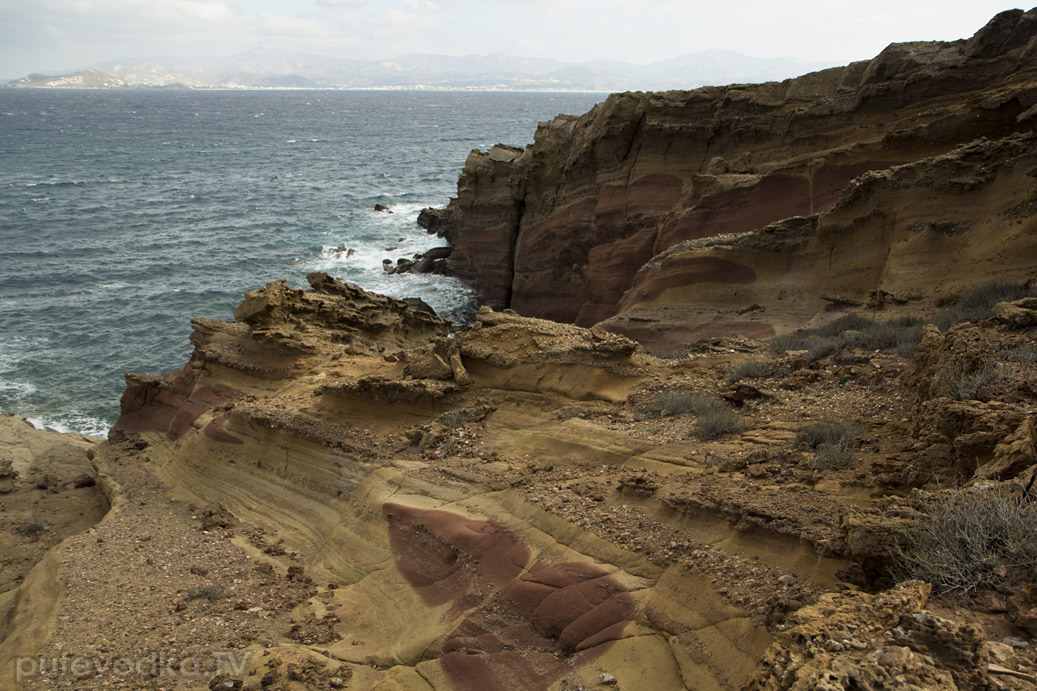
51, 36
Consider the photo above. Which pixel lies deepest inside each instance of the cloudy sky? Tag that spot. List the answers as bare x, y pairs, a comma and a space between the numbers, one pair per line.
58, 35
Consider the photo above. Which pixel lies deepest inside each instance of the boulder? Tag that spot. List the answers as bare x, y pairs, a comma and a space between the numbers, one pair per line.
1021, 314
1016, 453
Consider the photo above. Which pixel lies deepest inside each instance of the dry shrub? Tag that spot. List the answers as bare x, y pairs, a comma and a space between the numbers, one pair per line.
963, 383
828, 432
977, 303
748, 369
831, 441
668, 403
968, 539
716, 419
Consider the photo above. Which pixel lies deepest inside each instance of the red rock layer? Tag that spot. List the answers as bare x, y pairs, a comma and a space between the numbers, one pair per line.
561, 229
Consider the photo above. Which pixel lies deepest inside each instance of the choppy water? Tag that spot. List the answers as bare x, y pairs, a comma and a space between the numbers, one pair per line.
124, 214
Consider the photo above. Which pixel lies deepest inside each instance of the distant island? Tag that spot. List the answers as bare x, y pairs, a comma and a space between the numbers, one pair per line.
263, 68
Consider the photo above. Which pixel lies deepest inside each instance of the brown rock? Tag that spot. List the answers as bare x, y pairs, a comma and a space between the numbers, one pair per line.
1021, 314
1015, 454
802, 171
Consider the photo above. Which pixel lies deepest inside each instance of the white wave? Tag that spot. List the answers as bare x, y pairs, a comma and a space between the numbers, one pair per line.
73, 423
13, 390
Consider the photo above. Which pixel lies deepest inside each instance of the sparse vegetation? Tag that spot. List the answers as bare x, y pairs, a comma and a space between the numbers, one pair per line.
977, 303
30, 529
853, 330
667, 403
967, 540
212, 593
831, 456
831, 442
1024, 354
827, 433
963, 383
822, 347
901, 335
747, 369
716, 419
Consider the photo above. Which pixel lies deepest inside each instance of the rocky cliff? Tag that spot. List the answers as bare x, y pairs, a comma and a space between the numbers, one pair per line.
339, 492
656, 212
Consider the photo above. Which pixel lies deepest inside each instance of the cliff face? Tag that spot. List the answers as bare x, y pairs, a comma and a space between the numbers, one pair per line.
335, 492
574, 227
338, 491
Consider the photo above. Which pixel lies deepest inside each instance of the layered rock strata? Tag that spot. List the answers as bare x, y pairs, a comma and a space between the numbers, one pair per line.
634, 212
322, 501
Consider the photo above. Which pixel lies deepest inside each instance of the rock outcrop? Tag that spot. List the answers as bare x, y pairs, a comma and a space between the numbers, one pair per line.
338, 492
341, 490
667, 214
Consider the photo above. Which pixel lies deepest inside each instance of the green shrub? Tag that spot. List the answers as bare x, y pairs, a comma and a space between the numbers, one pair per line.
967, 540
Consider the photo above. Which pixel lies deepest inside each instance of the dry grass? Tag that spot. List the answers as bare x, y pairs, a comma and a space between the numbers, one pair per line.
964, 384
667, 403
746, 370
828, 433
968, 540
716, 419
832, 442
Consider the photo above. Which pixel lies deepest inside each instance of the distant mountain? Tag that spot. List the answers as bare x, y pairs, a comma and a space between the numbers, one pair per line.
267, 68
84, 79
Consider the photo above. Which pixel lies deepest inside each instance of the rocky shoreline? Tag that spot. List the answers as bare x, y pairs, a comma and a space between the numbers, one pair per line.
665, 216
337, 492
819, 478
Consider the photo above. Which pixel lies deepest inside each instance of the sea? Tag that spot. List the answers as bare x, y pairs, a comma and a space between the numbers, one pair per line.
123, 214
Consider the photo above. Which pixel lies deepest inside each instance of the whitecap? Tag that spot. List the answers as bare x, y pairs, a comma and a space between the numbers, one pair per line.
10, 390
73, 423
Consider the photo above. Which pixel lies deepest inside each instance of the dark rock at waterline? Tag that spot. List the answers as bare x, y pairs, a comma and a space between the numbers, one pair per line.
431, 262
382, 207
419, 304
429, 218
428, 262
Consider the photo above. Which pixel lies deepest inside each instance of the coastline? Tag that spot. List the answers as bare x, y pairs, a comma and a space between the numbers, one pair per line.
756, 416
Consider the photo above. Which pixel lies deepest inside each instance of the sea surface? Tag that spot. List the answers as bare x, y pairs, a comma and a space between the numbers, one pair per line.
125, 213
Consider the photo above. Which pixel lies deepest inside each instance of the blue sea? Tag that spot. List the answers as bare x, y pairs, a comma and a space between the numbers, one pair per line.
125, 213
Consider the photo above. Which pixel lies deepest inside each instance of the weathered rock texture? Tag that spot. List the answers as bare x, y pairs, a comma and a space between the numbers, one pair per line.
668, 214
337, 493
